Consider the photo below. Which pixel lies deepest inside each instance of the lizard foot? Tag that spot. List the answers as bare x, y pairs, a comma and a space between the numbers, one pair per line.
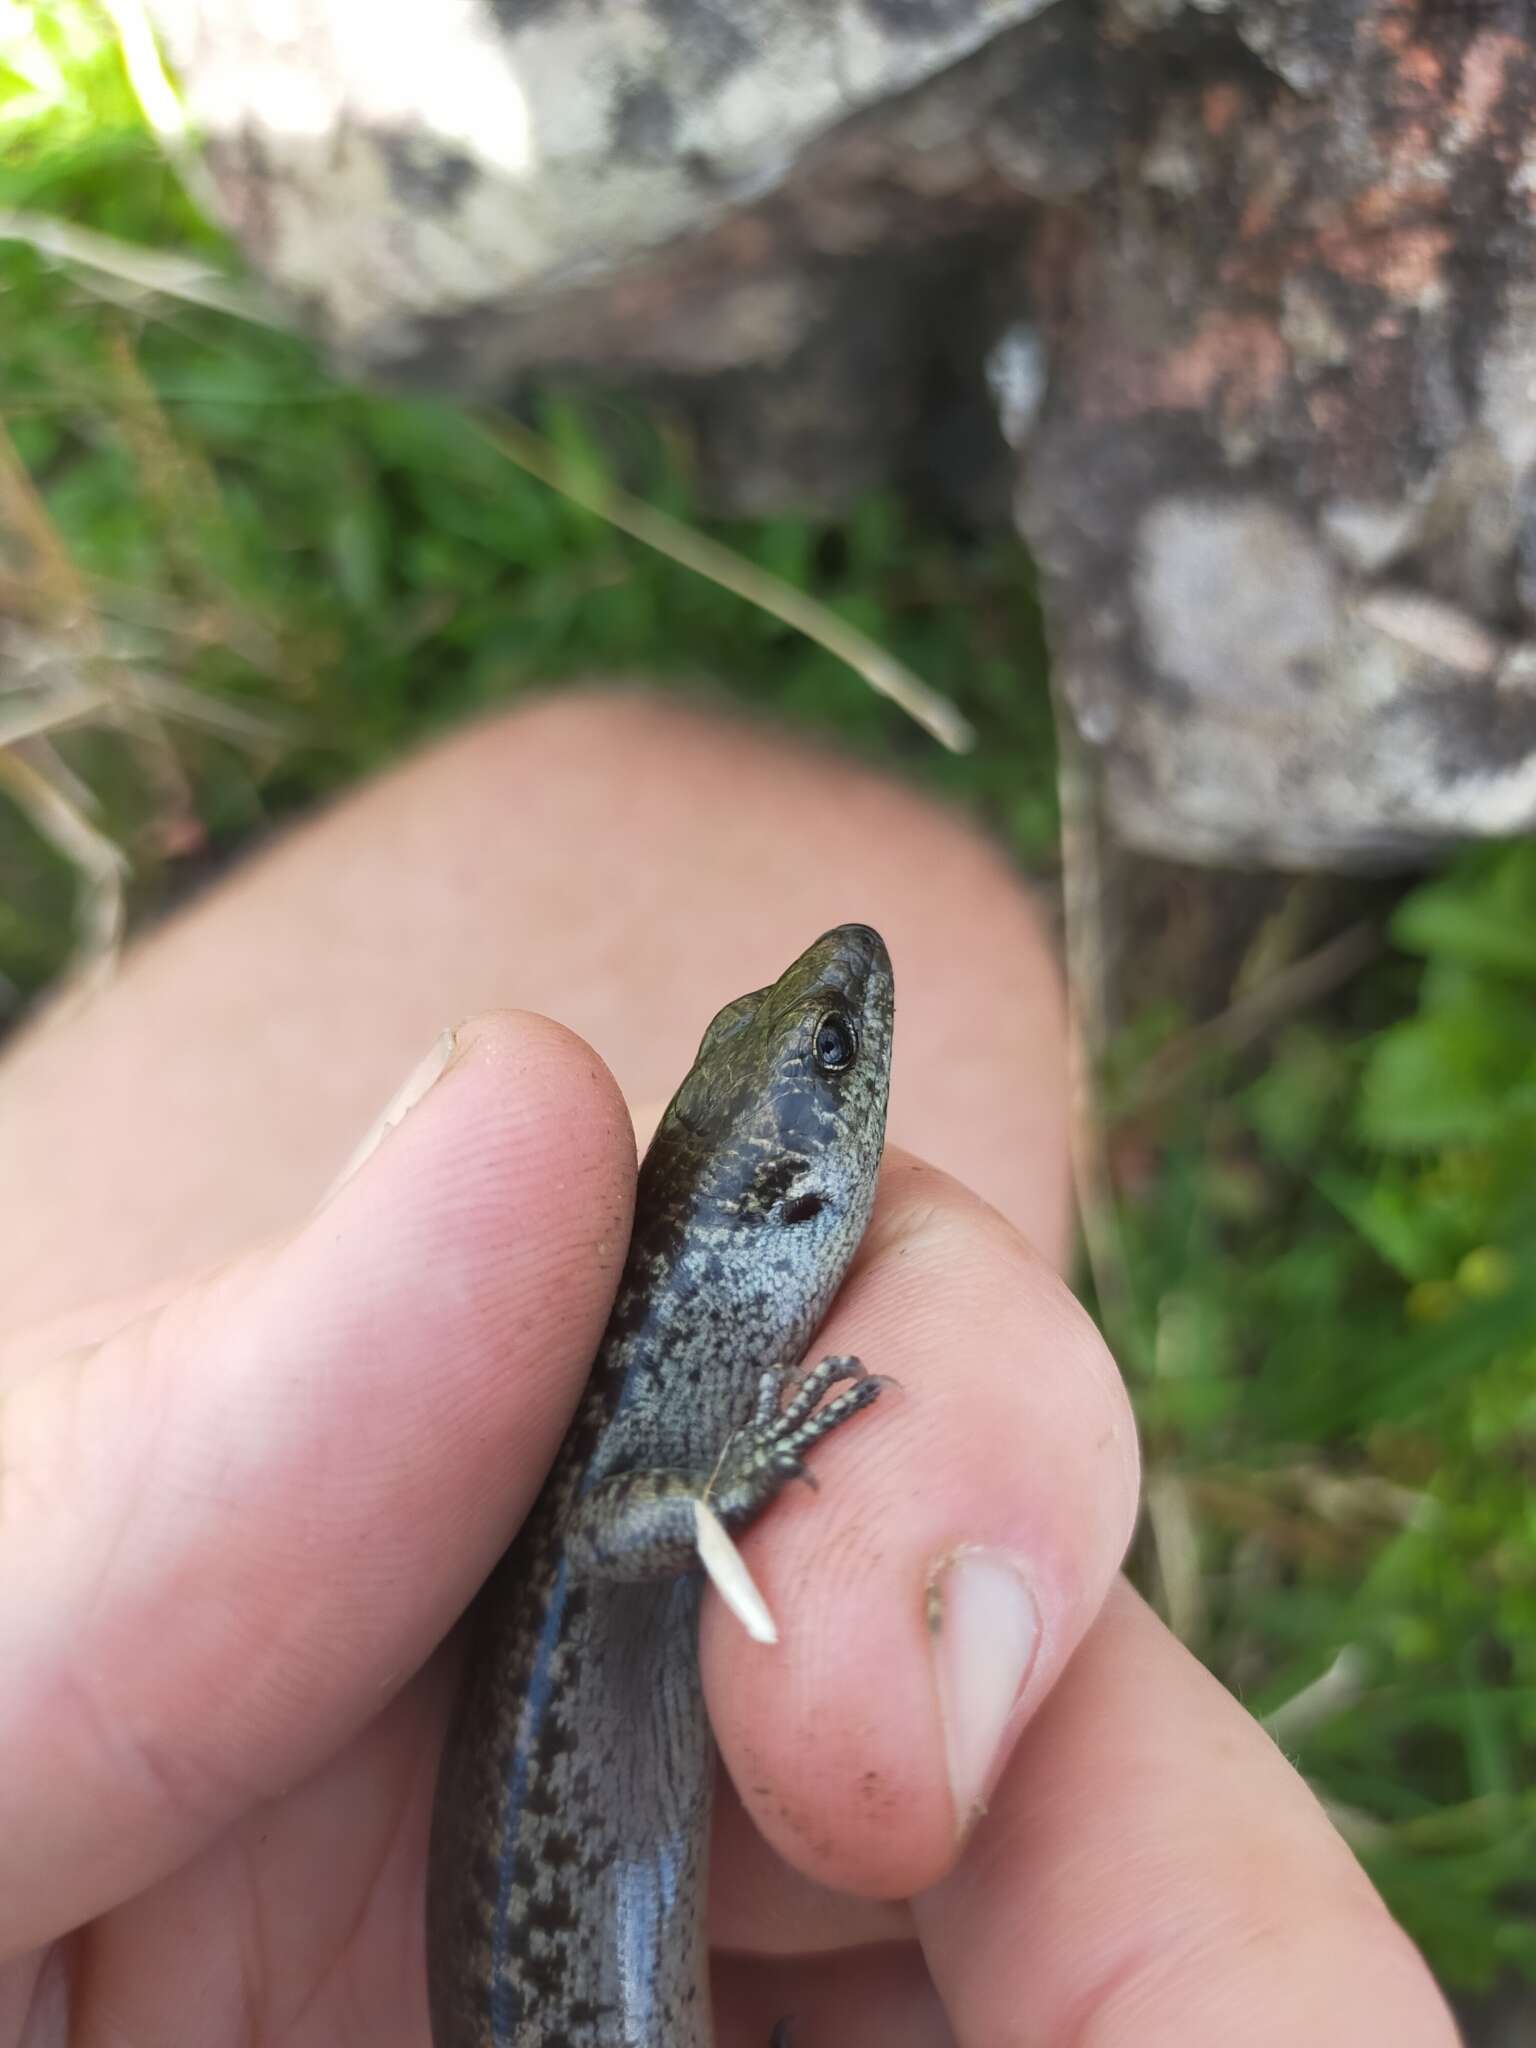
770, 1450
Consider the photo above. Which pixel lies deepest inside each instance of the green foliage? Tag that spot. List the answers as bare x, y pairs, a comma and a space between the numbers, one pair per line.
1339, 1369
1464, 1071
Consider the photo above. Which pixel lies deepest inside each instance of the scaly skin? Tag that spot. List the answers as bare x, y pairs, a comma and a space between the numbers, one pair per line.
566, 1882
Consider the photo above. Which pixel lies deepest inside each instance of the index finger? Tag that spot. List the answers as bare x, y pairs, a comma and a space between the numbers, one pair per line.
965, 1532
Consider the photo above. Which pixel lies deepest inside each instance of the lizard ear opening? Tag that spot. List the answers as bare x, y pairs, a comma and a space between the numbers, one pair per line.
801, 1208
728, 1022
710, 1085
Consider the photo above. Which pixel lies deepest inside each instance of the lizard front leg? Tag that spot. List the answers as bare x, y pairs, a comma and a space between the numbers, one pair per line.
643, 1525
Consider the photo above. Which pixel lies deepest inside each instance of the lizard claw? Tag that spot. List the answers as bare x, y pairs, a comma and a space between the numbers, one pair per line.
770, 1450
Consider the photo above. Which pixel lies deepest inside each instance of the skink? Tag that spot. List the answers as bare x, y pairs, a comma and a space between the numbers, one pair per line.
567, 1869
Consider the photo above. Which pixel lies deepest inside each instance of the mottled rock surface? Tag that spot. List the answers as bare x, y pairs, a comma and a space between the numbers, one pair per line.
1281, 483
1249, 286
391, 166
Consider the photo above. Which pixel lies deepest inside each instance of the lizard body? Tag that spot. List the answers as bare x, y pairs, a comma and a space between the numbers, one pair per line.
567, 1870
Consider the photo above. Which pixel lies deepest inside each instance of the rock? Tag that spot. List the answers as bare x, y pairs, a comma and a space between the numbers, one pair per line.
395, 168
1245, 291
1281, 478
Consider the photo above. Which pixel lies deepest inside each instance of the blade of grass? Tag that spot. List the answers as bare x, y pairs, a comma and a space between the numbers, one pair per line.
52, 710
41, 790
163, 112
156, 271
884, 674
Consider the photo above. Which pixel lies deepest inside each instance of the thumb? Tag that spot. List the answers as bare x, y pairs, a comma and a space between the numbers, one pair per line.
231, 1529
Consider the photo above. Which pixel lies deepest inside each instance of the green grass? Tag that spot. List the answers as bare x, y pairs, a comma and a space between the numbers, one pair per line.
370, 571
1327, 1296
1332, 1258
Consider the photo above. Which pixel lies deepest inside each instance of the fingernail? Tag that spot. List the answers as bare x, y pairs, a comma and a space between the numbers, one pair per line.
985, 1629
427, 1071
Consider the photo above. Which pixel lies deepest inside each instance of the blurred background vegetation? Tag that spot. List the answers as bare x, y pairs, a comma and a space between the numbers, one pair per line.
230, 585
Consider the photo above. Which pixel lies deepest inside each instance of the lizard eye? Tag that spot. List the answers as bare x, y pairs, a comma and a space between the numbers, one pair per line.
835, 1043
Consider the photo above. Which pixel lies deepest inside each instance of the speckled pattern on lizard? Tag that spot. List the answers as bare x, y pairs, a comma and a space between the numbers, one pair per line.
567, 1872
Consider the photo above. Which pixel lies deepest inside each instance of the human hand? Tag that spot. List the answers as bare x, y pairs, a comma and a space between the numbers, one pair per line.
235, 1520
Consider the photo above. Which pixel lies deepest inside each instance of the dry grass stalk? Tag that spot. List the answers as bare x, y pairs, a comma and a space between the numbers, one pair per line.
32, 774
681, 543
137, 271
65, 668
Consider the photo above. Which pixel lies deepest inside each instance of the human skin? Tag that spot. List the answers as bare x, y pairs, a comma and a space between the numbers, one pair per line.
238, 1512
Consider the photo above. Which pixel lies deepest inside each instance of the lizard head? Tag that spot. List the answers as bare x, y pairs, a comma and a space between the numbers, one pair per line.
782, 1117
